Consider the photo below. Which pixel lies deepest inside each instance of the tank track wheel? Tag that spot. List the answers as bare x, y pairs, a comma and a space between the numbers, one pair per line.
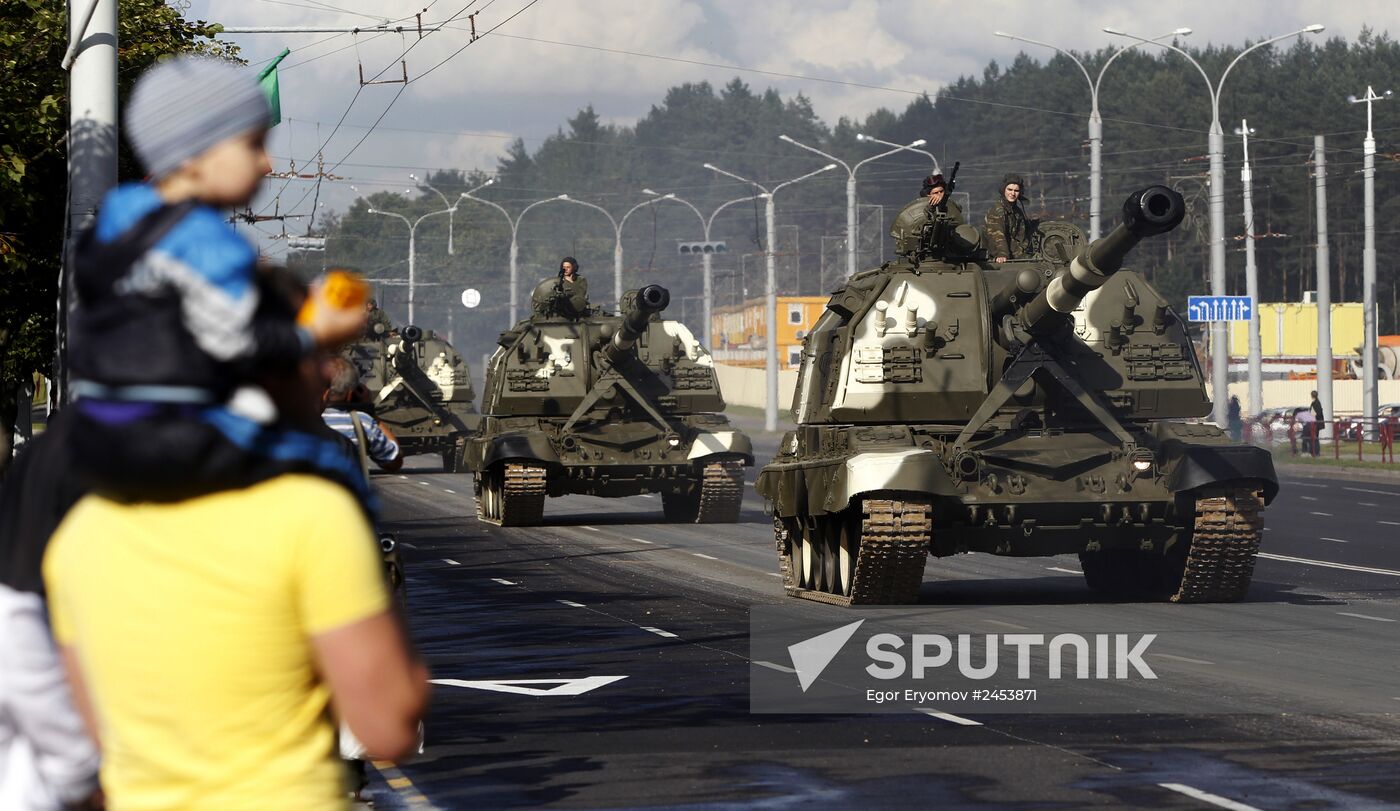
721, 493
1224, 543
512, 495
871, 553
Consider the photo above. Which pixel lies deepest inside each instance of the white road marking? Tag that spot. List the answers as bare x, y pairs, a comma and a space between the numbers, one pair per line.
1061, 569
1333, 540
1367, 504
947, 716
453, 492
571, 604
706, 557
1377, 492
1325, 515
1005, 624
773, 574
641, 540
1181, 658
1207, 797
590, 529
1305, 484
648, 495
1330, 565
772, 666
658, 631
1308, 498
1364, 616
403, 477
425, 484
523, 687
1390, 523
407, 545
503, 581
450, 562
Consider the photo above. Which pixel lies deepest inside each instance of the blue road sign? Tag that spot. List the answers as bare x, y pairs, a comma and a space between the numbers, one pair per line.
1219, 308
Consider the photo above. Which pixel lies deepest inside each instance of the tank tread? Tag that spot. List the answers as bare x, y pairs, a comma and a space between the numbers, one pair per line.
889, 566
520, 501
721, 493
1224, 543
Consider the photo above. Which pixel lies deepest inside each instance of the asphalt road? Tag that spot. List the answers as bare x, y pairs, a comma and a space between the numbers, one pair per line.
1282, 701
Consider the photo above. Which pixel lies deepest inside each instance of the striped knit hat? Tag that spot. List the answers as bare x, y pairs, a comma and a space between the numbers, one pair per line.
183, 106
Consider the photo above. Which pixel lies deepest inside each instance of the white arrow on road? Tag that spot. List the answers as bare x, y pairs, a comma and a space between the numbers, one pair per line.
530, 687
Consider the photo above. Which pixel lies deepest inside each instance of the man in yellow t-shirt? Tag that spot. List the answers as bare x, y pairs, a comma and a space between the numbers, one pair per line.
205, 639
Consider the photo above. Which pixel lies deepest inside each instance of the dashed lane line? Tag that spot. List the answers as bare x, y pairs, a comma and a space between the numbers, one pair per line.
450, 562
425, 484
640, 540
1292, 483
503, 581
658, 631
1308, 498
571, 604
407, 545
1377, 492
648, 495
773, 574
590, 529
1325, 515
1207, 797
445, 490
1062, 569
948, 716
1333, 540
1390, 523
1366, 504
772, 666
1364, 616
403, 477
706, 557
1329, 564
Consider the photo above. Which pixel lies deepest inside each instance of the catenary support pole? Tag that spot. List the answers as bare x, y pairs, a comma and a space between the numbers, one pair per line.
1324, 286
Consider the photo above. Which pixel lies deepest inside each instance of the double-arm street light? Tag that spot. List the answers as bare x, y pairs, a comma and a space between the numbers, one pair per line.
1370, 401
1095, 120
705, 224
413, 230
860, 136
514, 223
1220, 352
850, 190
618, 225
452, 206
770, 411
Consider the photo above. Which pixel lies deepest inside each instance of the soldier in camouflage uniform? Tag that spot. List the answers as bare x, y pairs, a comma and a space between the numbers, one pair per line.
573, 288
1008, 228
936, 190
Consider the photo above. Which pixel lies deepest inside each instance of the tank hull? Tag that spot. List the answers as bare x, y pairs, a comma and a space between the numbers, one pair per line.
1020, 494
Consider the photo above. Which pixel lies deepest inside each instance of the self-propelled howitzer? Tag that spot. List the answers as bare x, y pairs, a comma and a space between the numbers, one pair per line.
605, 405
949, 404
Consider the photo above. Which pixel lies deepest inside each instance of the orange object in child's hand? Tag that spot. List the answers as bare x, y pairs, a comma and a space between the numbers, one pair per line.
338, 290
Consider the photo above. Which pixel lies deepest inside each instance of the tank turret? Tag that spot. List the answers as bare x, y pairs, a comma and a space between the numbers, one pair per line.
946, 403
606, 405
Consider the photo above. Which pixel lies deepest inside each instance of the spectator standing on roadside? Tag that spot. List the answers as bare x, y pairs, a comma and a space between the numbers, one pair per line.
47, 760
1307, 426
343, 384
1234, 420
1319, 422
205, 639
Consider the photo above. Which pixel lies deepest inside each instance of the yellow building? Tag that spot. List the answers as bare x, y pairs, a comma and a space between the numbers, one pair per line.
1290, 330
738, 333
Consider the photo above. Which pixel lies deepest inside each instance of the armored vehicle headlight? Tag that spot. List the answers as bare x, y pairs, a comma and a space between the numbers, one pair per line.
673, 440
1142, 460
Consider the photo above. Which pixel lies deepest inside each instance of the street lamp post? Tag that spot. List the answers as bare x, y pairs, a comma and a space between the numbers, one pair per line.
514, 223
851, 190
1220, 352
445, 202
1095, 120
412, 245
1251, 277
770, 410
705, 224
617, 237
1370, 402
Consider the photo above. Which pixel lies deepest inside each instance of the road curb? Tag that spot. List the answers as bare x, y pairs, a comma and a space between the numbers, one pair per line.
1343, 473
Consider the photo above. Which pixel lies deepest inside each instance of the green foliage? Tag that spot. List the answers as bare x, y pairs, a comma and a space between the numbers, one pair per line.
33, 171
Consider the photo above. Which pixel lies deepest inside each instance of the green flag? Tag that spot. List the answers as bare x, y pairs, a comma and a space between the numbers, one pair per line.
267, 77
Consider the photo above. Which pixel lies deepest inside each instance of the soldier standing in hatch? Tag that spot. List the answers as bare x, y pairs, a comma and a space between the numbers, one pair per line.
936, 190
573, 287
1008, 227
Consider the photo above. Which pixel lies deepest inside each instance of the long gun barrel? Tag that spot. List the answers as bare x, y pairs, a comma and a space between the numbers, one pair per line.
1149, 212
637, 309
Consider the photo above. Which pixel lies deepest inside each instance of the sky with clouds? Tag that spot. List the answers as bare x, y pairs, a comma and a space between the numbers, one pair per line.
557, 56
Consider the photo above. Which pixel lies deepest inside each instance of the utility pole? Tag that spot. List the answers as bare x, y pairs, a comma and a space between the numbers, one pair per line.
92, 143
1370, 402
1324, 285
1251, 279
